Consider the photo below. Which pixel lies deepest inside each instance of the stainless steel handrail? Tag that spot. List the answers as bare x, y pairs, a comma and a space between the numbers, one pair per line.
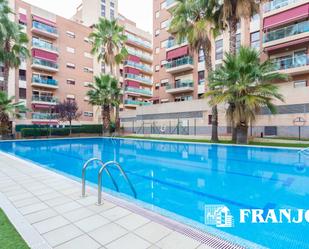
84, 175
104, 167
306, 150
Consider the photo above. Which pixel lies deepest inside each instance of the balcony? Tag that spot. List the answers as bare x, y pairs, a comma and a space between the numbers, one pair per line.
139, 41
44, 65
170, 4
44, 29
44, 82
134, 103
179, 65
180, 87
287, 34
37, 43
139, 91
42, 99
173, 44
144, 56
142, 67
275, 6
44, 116
293, 65
137, 78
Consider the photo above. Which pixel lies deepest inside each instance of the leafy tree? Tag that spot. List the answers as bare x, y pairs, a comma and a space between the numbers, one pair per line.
13, 43
67, 111
195, 21
248, 83
109, 45
9, 109
103, 93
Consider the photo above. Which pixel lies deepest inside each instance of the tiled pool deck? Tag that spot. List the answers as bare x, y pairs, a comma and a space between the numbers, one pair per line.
47, 209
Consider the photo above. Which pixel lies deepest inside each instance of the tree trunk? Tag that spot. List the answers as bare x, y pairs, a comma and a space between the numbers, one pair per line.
233, 34
105, 118
70, 127
117, 119
214, 110
6, 71
242, 133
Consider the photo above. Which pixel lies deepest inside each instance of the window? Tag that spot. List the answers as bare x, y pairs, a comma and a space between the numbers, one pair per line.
163, 62
157, 50
157, 68
70, 34
22, 92
88, 114
157, 14
157, 86
71, 65
238, 41
164, 82
270, 130
112, 14
103, 9
164, 44
22, 75
201, 55
70, 50
183, 98
70, 81
88, 55
163, 5
255, 18
70, 97
86, 39
165, 24
157, 33
255, 40
201, 77
103, 68
88, 70
300, 83
219, 49
112, 4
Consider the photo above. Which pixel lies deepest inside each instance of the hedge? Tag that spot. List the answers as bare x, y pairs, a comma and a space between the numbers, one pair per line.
41, 132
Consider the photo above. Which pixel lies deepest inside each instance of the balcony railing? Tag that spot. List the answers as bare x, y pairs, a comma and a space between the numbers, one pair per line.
135, 102
277, 4
44, 63
44, 27
179, 62
138, 90
291, 30
169, 3
41, 80
138, 40
42, 98
139, 66
171, 43
140, 54
291, 62
45, 116
181, 84
138, 78
45, 45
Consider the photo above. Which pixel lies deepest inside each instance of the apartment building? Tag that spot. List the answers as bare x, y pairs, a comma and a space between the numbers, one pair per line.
280, 32
60, 66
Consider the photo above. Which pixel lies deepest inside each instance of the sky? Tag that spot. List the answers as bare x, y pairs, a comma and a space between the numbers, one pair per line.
139, 11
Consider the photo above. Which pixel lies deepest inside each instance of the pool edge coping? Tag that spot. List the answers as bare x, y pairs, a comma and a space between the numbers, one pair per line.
204, 237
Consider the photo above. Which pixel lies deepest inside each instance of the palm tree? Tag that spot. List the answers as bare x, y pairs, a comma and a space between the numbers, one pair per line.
248, 83
13, 43
195, 21
231, 12
109, 46
103, 93
9, 109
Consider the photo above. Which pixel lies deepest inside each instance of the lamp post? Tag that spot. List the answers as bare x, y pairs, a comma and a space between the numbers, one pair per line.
299, 122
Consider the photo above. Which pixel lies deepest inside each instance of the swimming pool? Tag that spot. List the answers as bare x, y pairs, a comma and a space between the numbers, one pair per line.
184, 177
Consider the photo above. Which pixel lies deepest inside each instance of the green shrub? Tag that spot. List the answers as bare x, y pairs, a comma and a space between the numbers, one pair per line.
34, 132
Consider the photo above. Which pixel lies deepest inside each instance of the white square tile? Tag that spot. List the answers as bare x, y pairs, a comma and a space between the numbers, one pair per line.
108, 233
61, 235
115, 213
92, 223
32, 208
67, 207
89, 200
128, 241
132, 221
57, 201
41, 215
153, 232
50, 224
78, 214
82, 242
177, 241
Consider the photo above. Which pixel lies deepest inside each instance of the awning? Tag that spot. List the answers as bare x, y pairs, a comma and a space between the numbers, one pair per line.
133, 58
132, 83
178, 52
40, 54
42, 106
286, 44
131, 70
43, 20
287, 16
23, 18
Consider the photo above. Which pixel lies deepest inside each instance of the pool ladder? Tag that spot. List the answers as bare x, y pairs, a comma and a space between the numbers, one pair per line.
104, 167
304, 151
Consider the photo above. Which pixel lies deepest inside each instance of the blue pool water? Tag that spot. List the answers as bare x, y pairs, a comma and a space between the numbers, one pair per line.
184, 177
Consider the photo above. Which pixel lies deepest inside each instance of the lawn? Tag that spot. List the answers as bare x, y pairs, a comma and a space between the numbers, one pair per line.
9, 237
274, 144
